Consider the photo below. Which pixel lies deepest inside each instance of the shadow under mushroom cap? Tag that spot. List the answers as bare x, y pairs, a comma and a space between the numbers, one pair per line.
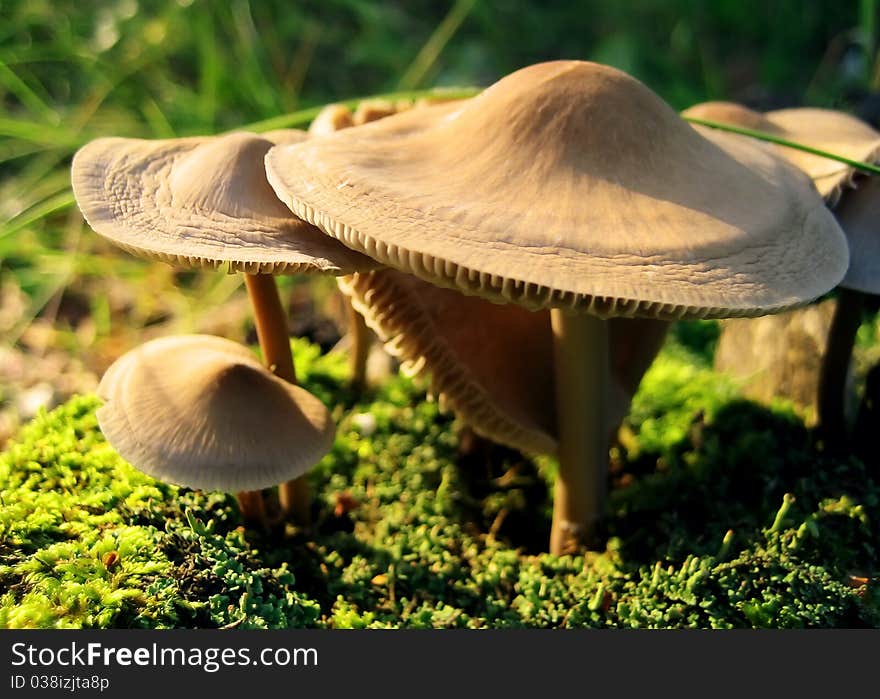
571, 184
201, 202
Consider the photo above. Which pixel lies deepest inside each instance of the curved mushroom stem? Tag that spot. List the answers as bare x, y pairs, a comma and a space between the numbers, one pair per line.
359, 349
580, 345
274, 341
835, 365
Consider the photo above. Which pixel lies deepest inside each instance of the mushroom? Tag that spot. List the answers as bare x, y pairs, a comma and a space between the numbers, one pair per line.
824, 129
855, 200
200, 411
570, 186
204, 202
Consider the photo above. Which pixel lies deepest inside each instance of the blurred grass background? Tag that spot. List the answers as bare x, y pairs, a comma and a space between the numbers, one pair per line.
73, 71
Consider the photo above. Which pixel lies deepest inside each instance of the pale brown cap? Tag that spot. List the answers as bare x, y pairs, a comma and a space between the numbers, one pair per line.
832, 131
492, 364
570, 184
201, 202
375, 109
824, 129
855, 198
202, 412
734, 114
331, 118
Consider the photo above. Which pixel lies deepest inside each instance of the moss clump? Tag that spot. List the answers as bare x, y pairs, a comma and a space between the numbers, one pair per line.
723, 515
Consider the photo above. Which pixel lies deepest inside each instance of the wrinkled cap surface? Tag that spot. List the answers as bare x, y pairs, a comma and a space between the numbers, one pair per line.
492, 364
201, 202
855, 197
572, 185
202, 412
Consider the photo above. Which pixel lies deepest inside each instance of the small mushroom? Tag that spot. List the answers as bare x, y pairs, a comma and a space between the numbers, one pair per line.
201, 411
204, 202
570, 186
855, 200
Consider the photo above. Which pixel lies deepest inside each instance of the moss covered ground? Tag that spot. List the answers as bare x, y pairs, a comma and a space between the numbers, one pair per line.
723, 514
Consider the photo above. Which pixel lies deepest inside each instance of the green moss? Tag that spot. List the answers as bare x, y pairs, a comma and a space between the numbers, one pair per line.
724, 515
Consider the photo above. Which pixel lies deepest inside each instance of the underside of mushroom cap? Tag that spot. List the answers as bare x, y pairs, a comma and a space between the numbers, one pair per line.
492, 364
201, 202
202, 412
571, 185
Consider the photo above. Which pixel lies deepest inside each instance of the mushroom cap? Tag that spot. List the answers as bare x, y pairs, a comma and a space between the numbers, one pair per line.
829, 130
492, 364
570, 184
201, 202
825, 129
732, 113
332, 117
202, 412
856, 199
859, 216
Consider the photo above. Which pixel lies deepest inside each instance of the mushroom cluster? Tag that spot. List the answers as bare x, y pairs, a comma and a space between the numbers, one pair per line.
855, 200
569, 187
528, 246
205, 202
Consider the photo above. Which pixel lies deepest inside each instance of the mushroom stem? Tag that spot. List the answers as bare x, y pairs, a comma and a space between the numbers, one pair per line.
271, 325
359, 335
274, 339
835, 366
581, 363
253, 507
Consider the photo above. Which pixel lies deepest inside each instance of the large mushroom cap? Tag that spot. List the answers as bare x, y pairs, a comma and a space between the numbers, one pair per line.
201, 202
202, 412
492, 364
570, 184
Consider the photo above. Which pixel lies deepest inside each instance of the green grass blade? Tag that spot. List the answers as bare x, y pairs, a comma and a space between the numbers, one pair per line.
857, 164
47, 207
209, 68
430, 52
30, 99
41, 134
